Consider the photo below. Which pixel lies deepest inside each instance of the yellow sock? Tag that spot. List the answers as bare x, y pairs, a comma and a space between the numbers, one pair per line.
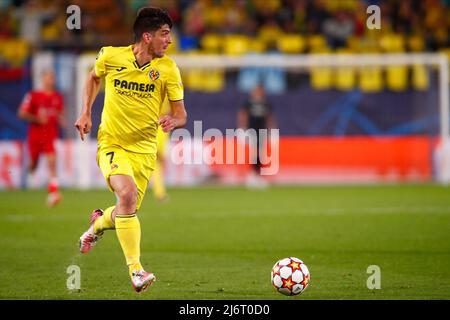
134, 267
104, 222
159, 187
128, 230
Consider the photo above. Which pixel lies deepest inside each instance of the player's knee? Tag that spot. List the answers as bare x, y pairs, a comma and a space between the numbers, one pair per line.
128, 199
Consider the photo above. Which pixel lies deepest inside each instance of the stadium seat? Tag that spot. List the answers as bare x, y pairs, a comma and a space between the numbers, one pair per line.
321, 78
52, 30
345, 77
420, 78
291, 44
14, 51
256, 45
235, 45
216, 80
396, 76
317, 43
370, 78
416, 43
211, 43
269, 34
354, 43
392, 42
193, 77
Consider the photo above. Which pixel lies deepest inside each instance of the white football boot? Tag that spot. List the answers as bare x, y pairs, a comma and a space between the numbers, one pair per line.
89, 238
141, 279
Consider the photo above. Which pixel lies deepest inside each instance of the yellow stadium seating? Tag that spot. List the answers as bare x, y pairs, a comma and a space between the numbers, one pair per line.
211, 43
392, 42
269, 34
420, 79
321, 77
256, 45
416, 43
397, 78
345, 77
235, 45
371, 79
290, 43
15, 51
201, 79
354, 43
215, 80
317, 43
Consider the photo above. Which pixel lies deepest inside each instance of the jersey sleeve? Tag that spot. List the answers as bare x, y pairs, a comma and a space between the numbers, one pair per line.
27, 103
175, 90
100, 67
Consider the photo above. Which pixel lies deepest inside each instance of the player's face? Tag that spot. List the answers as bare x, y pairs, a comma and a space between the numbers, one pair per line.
258, 92
161, 39
48, 79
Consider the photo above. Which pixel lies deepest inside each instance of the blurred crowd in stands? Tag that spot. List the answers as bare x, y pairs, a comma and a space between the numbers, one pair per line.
253, 25
237, 27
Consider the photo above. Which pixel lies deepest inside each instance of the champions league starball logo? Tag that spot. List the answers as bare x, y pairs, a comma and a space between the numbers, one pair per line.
153, 74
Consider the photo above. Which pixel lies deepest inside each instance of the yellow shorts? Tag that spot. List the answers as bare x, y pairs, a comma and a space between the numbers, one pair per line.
115, 160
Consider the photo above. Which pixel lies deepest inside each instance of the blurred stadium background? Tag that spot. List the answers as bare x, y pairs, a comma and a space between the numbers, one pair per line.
379, 123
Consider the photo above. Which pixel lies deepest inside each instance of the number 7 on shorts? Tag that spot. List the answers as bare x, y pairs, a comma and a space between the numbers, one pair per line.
111, 154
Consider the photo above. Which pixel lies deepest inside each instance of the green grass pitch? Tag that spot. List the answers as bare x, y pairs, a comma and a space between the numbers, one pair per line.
221, 243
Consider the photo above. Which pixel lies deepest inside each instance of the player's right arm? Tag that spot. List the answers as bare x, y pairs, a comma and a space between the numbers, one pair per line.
91, 89
25, 111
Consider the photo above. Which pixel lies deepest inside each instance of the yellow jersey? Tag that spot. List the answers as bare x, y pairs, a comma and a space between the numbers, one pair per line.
134, 97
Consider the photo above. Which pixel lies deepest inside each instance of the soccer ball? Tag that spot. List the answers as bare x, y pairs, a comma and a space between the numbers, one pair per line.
290, 276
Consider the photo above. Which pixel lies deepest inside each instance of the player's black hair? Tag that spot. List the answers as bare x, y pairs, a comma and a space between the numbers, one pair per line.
150, 19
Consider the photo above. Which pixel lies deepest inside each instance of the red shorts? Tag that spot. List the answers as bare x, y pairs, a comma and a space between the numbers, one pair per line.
36, 147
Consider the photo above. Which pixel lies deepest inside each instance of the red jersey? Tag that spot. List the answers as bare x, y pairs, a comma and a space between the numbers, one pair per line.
46, 105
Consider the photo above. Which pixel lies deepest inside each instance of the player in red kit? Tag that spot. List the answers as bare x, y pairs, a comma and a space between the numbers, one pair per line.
43, 109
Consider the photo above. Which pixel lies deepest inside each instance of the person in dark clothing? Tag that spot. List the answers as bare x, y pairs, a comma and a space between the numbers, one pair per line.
256, 113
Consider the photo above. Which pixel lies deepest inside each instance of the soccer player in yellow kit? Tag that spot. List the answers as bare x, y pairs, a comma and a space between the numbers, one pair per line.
137, 79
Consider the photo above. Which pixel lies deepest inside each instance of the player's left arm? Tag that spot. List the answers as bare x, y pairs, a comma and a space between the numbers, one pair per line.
242, 116
61, 119
175, 94
270, 118
271, 123
176, 119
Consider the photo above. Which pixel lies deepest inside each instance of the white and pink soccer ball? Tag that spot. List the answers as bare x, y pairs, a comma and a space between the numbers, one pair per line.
290, 276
